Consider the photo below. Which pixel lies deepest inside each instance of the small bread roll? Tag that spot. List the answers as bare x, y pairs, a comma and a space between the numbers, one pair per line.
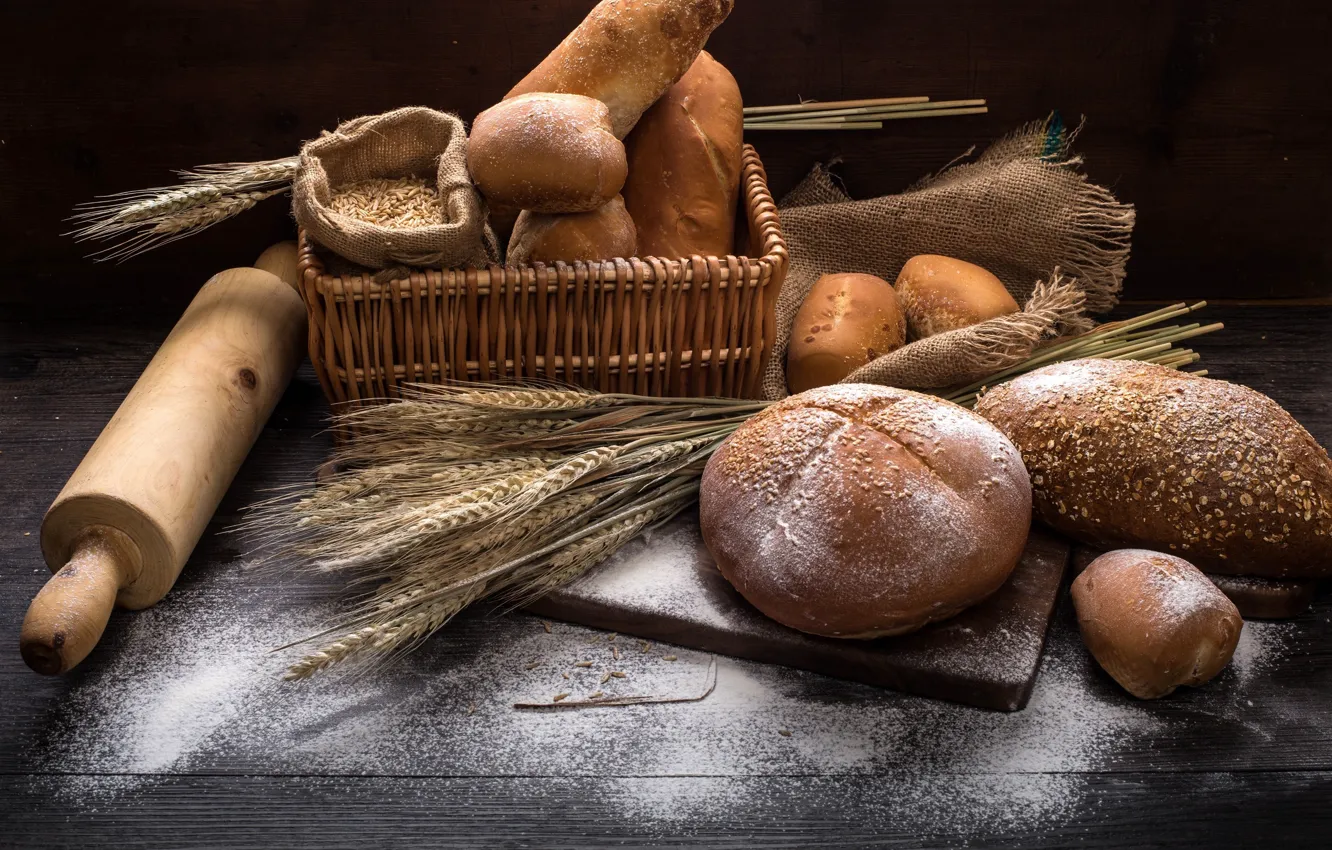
552, 153
602, 234
684, 166
943, 294
858, 511
846, 321
1154, 621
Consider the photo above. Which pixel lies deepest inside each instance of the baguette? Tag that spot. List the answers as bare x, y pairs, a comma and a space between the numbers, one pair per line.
684, 166
1128, 454
627, 53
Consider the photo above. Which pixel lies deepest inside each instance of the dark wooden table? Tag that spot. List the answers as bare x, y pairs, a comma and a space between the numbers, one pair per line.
177, 731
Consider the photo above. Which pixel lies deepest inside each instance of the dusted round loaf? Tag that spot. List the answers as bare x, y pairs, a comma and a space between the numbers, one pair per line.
857, 511
602, 234
1154, 621
846, 321
943, 294
552, 153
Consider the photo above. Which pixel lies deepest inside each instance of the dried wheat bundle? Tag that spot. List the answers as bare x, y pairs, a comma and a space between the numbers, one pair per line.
462, 493
143, 219
457, 494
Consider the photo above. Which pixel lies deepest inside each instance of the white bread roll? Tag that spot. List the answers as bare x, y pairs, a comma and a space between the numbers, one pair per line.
603, 234
1154, 622
942, 294
684, 166
551, 153
627, 53
846, 321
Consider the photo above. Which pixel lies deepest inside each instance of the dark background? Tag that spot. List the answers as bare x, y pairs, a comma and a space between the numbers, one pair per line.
1211, 117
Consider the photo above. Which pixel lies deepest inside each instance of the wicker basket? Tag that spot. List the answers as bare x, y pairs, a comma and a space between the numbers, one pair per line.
696, 327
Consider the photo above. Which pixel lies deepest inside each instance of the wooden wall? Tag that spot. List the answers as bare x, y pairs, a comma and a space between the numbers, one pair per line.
1213, 116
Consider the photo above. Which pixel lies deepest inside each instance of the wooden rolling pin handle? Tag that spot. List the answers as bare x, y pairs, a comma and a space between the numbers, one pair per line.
69, 614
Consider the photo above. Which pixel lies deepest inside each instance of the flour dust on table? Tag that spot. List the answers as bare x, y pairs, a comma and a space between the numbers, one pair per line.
192, 689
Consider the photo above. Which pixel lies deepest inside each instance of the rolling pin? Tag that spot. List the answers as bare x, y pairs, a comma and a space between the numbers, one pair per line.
122, 528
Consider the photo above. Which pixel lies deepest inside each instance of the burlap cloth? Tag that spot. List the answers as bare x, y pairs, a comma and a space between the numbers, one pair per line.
412, 141
1023, 210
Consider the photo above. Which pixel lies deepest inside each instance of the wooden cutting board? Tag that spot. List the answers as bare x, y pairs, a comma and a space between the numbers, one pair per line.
667, 588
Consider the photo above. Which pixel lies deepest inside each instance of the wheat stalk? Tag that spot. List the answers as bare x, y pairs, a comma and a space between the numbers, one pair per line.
143, 219
381, 638
207, 214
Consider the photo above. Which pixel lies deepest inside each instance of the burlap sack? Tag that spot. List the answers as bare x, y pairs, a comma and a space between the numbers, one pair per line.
409, 141
1023, 210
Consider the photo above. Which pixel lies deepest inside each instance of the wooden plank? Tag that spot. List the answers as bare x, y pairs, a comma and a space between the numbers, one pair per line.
392, 758
1211, 117
1035, 811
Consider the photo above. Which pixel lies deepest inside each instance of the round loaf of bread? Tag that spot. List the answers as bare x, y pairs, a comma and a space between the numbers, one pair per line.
552, 153
857, 511
846, 321
603, 234
1154, 622
943, 294
1128, 454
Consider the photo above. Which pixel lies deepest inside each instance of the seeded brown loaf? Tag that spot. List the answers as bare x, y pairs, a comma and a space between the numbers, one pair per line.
627, 53
857, 511
551, 153
941, 294
684, 166
846, 321
1131, 454
1154, 622
602, 234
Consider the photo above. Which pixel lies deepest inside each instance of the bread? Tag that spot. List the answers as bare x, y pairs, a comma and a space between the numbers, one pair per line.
627, 53
551, 153
1128, 454
943, 294
856, 511
602, 234
846, 321
684, 166
1154, 622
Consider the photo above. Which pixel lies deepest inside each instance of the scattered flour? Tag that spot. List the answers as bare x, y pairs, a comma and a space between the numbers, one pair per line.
661, 571
1261, 645
193, 689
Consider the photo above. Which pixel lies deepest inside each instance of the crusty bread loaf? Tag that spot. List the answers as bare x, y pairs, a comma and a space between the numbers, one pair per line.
550, 153
1130, 454
602, 234
941, 294
684, 166
627, 53
1154, 622
846, 321
856, 510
